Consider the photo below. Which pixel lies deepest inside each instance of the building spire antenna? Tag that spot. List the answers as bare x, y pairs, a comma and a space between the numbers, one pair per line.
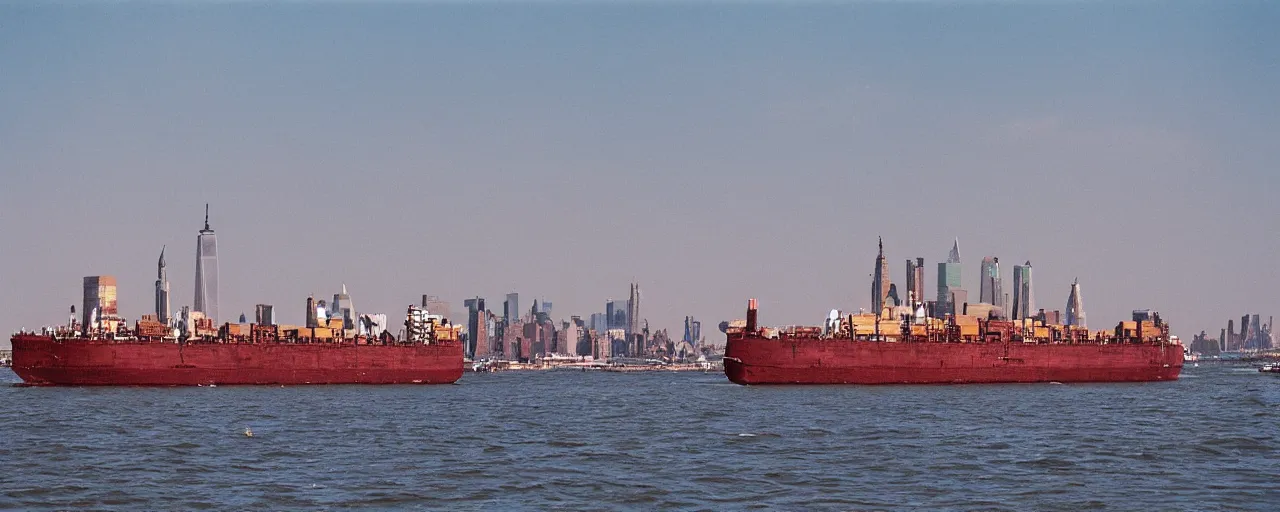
206, 216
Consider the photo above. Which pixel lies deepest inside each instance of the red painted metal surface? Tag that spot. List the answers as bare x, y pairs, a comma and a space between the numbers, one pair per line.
42, 360
752, 359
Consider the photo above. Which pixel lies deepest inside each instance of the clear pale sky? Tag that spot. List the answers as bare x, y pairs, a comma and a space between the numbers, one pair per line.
711, 151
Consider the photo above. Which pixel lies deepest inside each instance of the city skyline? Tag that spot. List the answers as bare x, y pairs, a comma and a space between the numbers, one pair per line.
561, 151
620, 314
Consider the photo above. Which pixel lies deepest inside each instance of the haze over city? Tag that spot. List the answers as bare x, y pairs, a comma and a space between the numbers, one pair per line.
708, 152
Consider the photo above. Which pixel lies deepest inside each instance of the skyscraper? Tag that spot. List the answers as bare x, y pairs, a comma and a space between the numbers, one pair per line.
511, 309
600, 323
99, 301
633, 310
478, 345
991, 290
949, 281
1024, 304
162, 291
567, 339
1229, 343
206, 300
635, 337
692, 331
264, 314
959, 298
602, 346
492, 333
312, 319
910, 267
880, 283
341, 307
615, 312
1075, 306
915, 281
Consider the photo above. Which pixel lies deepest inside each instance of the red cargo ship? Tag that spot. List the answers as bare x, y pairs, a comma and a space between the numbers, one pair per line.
260, 354
949, 352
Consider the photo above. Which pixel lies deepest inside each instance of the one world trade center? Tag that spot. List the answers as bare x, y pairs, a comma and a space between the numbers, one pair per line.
207, 271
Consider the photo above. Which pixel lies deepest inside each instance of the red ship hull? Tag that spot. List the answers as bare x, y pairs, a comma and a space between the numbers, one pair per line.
751, 359
42, 360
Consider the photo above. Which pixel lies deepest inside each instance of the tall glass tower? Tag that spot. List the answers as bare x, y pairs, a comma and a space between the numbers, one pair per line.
511, 309
206, 300
880, 283
991, 289
949, 279
1075, 306
1024, 303
162, 291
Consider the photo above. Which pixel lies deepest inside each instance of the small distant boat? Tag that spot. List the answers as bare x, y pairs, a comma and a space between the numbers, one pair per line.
1270, 368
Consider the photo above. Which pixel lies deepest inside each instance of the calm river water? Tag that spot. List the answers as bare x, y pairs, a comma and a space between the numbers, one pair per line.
644, 441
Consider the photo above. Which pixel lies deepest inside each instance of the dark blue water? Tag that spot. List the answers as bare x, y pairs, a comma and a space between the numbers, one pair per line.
604, 441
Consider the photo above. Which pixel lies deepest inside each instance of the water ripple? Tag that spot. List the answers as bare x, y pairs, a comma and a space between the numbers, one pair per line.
597, 441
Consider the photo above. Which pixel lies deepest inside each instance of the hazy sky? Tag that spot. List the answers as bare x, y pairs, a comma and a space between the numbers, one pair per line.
712, 152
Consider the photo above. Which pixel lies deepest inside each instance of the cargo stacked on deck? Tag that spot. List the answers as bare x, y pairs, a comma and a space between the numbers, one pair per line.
960, 349
151, 354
